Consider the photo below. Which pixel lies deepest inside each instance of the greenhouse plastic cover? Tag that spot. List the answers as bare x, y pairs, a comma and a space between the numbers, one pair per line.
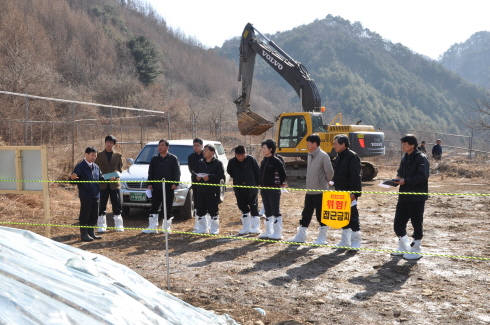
46, 282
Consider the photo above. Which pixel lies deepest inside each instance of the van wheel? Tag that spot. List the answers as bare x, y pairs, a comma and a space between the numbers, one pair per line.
125, 211
187, 210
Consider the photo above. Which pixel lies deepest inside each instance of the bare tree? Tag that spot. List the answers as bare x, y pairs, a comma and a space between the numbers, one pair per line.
482, 120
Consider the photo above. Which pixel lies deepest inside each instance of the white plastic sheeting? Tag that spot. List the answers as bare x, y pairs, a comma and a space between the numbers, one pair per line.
46, 282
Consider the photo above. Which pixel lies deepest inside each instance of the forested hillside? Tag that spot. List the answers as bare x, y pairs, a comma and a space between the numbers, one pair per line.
115, 52
470, 59
368, 78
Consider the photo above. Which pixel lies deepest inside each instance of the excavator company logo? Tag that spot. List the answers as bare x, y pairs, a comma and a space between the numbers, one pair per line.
272, 60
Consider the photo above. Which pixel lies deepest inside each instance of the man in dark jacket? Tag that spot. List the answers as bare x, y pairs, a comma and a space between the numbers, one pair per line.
437, 150
110, 161
413, 177
163, 166
89, 193
347, 177
209, 170
192, 160
245, 171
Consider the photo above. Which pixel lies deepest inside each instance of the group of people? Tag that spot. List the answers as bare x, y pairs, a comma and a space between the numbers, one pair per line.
436, 149
94, 196
248, 177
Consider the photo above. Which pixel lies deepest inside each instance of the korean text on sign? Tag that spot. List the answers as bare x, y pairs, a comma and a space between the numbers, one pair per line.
336, 209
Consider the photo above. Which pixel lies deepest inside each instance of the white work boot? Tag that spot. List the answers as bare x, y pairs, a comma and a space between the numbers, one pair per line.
300, 237
322, 236
255, 225
102, 223
346, 240
169, 223
152, 228
118, 223
355, 239
415, 248
208, 218
246, 222
214, 229
277, 228
403, 246
203, 227
269, 228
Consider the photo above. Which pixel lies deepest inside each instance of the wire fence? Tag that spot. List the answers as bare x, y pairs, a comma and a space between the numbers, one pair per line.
67, 127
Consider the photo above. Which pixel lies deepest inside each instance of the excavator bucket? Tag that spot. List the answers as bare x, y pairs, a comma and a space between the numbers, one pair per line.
250, 123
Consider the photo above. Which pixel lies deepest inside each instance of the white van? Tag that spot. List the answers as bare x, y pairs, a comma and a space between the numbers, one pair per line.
133, 193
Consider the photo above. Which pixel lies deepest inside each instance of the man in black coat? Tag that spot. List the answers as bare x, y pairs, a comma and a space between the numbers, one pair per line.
347, 177
163, 166
89, 193
413, 177
245, 171
192, 160
209, 170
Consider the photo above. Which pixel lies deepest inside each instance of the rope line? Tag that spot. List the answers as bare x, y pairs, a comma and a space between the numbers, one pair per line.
258, 187
255, 240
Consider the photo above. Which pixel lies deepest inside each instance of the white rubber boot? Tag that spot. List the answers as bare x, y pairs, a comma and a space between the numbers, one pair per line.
322, 236
203, 226
262, 211
255, 225
208, 218
118, 223
300, 237
102, 223
356, 239
214, 225
403, 246
152, 228
269, 228
415, 248
169, 223
277, 228
246, 222
346, 240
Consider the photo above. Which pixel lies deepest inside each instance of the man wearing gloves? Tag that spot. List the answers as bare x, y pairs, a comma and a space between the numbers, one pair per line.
245, 171
413, 177
347, 177
163, 166
318, 173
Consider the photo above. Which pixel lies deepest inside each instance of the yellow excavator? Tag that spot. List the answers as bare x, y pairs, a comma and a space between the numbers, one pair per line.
292, 129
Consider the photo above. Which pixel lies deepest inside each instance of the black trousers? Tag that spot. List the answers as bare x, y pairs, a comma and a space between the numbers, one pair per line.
115, 201
247, 200
413, 211
206, 203
89, 211
271, 200
313, 202
157, 201
354, 223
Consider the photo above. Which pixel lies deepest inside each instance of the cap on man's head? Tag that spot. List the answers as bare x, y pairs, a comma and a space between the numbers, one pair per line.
438, 140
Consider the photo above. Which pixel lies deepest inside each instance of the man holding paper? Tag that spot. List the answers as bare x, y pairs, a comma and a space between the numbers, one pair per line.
110, 163
347, 177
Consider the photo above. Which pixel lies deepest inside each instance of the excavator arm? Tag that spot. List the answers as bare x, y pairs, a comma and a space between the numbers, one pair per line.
250, 123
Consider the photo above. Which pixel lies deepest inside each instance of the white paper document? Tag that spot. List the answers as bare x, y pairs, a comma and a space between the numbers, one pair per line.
148, 193
352, 203
201, 174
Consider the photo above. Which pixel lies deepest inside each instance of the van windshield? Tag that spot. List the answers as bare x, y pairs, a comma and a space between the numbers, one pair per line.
149, 151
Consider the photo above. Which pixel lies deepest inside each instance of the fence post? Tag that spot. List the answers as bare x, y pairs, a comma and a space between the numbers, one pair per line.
141, 128
168, 125
27, 120
73, 133
471, 144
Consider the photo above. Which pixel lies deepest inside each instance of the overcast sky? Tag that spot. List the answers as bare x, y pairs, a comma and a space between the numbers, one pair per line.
428, 27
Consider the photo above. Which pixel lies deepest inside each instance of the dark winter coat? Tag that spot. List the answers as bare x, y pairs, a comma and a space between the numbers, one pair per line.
347, 172
216, 173
167, 167
246, 172
414, 168
86, 173
268, 168
192, 163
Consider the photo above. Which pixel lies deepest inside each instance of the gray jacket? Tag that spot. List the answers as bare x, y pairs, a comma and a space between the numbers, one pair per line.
318, 172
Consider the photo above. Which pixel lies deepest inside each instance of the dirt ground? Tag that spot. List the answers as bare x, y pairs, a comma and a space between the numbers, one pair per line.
300, 284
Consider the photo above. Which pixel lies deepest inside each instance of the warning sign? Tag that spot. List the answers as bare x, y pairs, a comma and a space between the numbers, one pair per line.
336, 209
